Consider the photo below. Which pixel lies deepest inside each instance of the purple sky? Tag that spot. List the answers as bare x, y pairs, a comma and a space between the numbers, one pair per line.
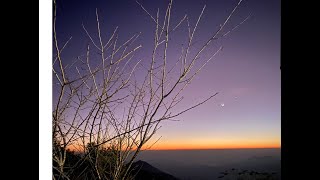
247, 110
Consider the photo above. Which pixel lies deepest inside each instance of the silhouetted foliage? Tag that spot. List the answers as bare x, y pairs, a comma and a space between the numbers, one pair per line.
82, 165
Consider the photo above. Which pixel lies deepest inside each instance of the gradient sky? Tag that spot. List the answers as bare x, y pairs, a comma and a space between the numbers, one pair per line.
246, 73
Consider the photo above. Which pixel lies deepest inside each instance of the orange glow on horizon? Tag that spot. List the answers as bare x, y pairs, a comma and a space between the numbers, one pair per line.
219, 144
215, 147
171, 145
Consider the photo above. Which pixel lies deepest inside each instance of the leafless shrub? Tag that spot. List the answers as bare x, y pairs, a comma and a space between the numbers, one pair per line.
106, 106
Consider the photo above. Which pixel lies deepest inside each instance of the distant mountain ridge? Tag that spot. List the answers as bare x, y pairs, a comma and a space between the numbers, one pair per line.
145, 171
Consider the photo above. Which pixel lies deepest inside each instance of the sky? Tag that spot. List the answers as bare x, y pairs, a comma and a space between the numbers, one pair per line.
247, 111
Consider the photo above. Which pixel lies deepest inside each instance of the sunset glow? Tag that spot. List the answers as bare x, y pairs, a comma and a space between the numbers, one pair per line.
215, 145
247, 111
165, 89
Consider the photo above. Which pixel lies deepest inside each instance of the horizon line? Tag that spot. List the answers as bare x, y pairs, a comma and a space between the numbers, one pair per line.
213, 148
240, 148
